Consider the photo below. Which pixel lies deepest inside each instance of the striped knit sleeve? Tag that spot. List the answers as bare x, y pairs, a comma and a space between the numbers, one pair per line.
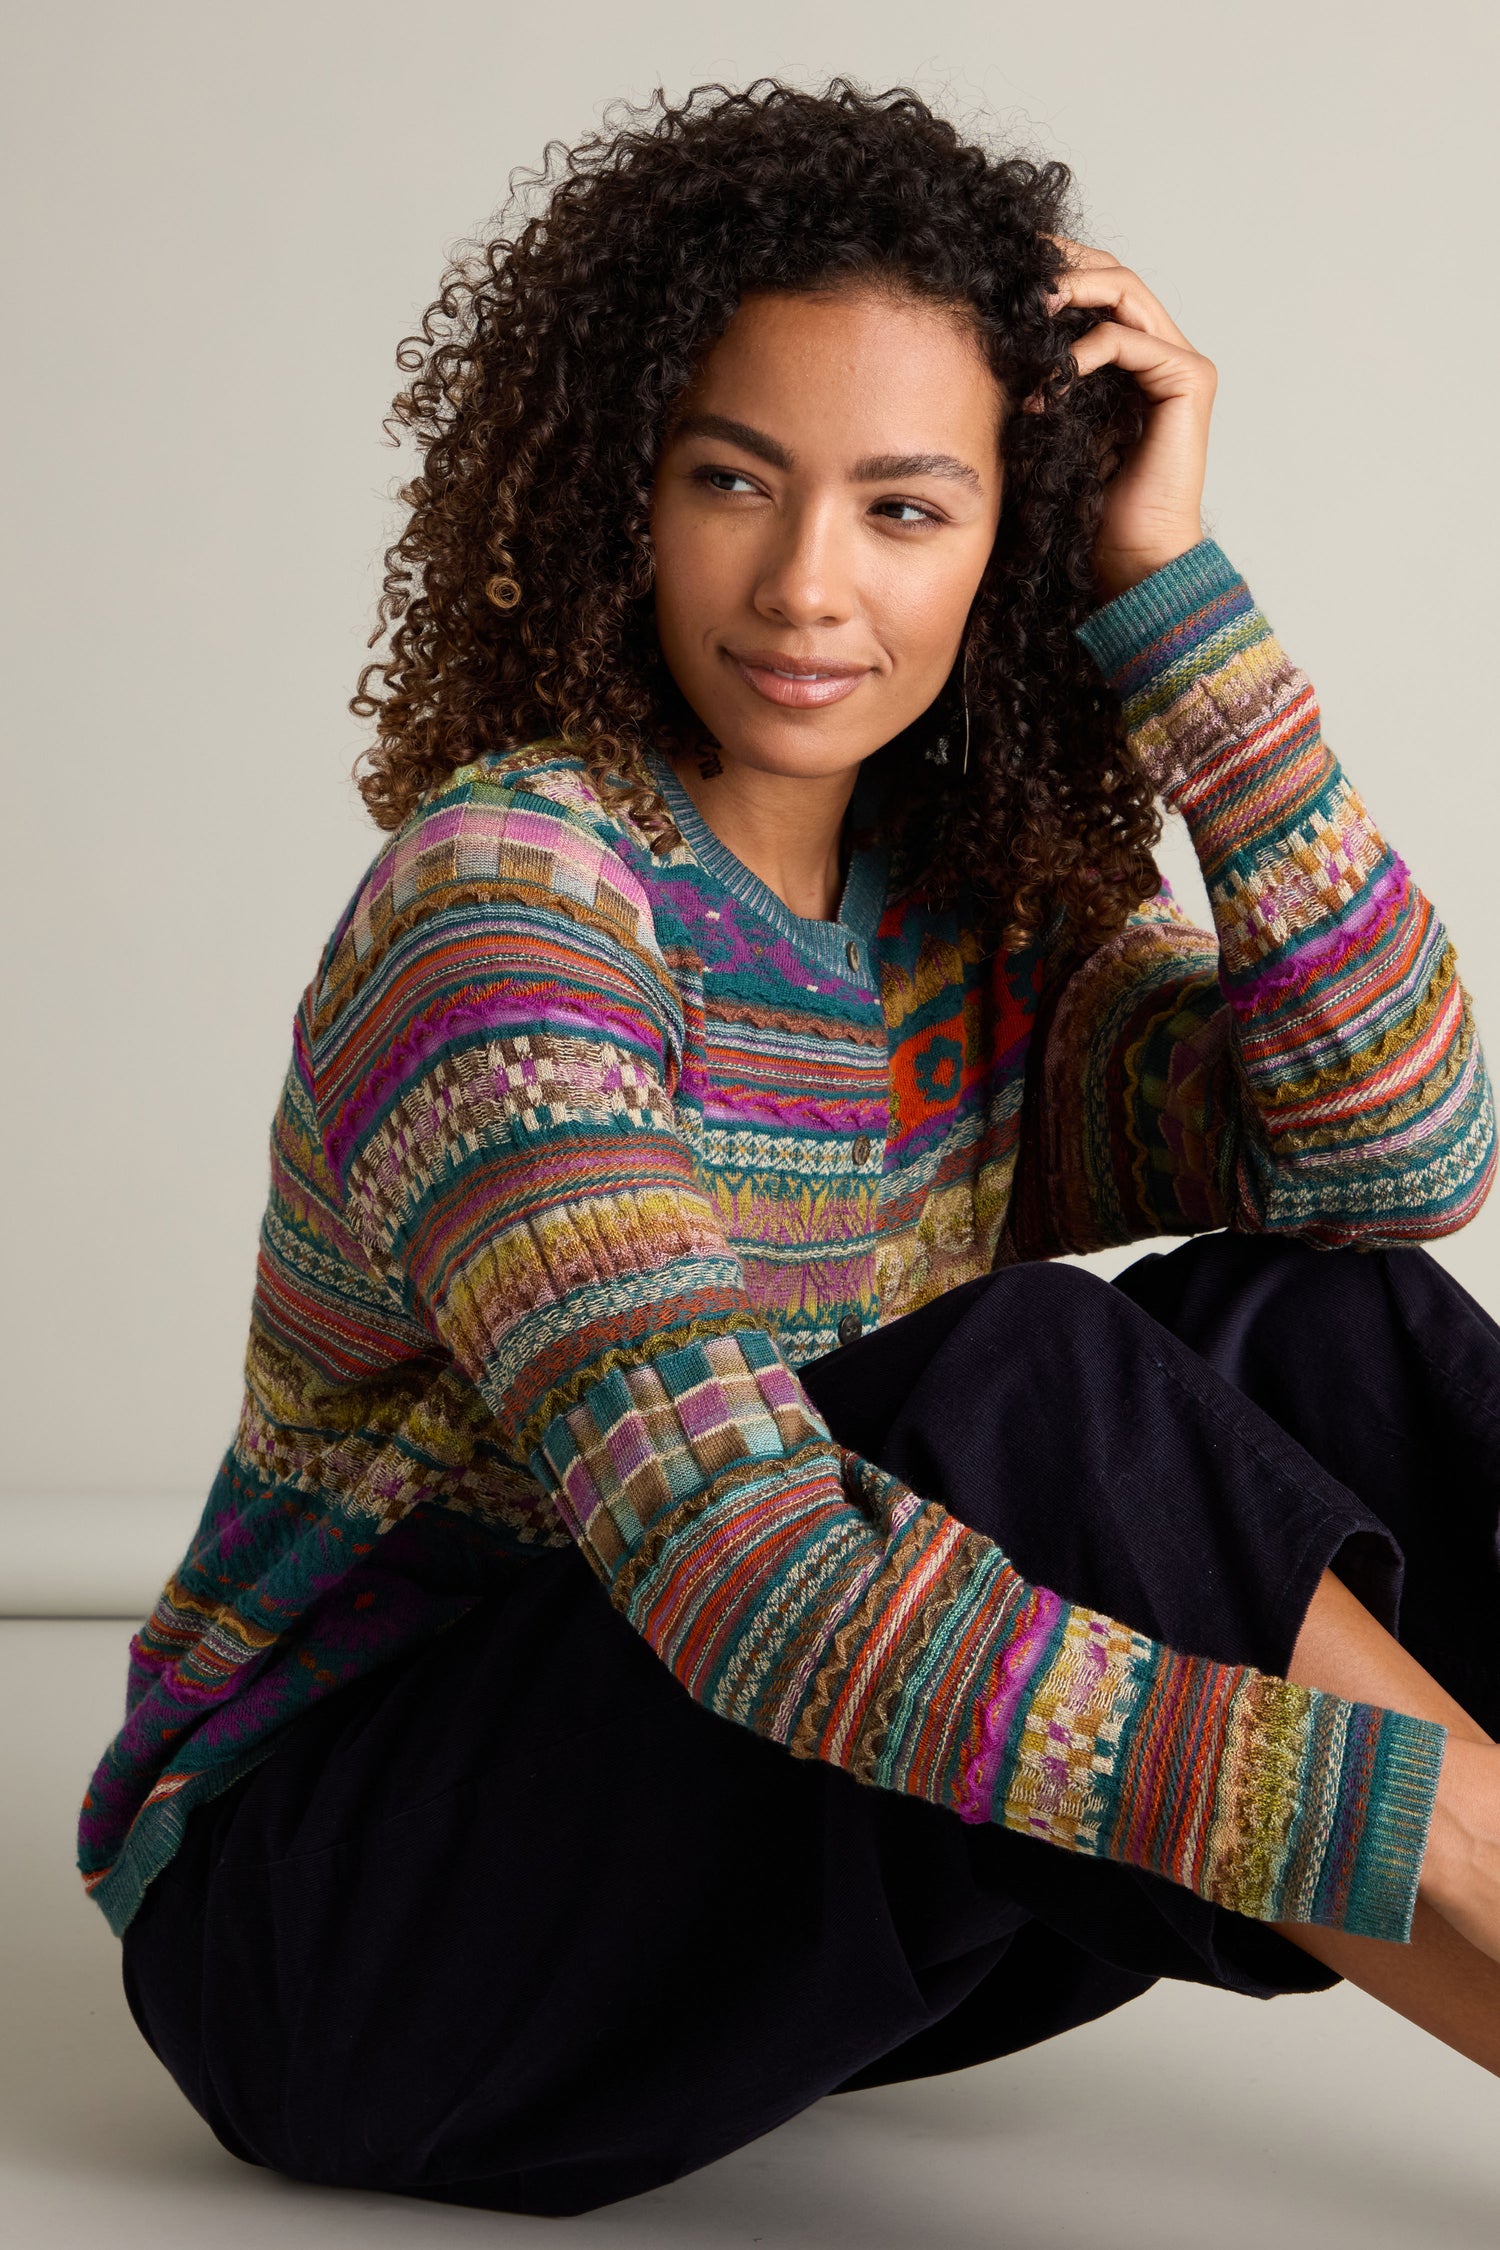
1311, 1065
494, 1079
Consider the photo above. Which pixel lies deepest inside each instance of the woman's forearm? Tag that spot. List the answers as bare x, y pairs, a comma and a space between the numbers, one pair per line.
1343, 1650
1447, 1979
1368, 1111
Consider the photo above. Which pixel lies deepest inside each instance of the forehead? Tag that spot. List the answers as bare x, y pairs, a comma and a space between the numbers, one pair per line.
867, 371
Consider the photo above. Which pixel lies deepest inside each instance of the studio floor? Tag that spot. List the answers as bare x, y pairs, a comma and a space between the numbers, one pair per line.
1188, 2117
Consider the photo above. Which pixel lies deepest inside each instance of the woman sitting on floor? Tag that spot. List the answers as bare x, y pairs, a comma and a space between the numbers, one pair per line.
698, 1612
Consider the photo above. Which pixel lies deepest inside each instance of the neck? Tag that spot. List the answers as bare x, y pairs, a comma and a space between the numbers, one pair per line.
786, 828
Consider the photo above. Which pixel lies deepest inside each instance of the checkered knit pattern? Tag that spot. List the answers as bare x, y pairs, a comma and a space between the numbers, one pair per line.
584, 1151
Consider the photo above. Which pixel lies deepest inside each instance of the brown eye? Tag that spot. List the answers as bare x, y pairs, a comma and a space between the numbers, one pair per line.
735, 476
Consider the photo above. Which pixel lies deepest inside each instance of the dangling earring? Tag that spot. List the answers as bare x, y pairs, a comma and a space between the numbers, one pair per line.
963, 769
937, 752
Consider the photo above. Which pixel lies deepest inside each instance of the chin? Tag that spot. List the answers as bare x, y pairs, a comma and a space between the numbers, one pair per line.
801, 753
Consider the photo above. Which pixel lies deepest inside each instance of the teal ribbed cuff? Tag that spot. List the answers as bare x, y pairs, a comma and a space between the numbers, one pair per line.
1118, 635
1393, 1842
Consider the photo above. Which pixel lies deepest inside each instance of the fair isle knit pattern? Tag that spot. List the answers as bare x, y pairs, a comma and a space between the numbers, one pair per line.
584, 1151
1328, 995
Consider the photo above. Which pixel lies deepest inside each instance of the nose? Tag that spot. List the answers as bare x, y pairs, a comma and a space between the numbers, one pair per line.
805, 577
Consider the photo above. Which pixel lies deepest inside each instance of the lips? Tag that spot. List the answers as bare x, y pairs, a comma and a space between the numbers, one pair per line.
796, 682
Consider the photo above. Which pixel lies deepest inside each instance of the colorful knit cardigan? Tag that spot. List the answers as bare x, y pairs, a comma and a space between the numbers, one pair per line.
583, 1151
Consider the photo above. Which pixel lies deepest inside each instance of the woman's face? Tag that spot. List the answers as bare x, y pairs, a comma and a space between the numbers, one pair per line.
821, 515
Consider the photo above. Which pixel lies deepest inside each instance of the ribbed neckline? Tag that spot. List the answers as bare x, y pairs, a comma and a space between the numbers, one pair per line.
860, 907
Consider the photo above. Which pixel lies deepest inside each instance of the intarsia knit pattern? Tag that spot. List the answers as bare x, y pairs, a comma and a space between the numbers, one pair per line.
584, 1151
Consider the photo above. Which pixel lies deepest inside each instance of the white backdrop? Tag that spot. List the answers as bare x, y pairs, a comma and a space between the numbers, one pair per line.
220, 220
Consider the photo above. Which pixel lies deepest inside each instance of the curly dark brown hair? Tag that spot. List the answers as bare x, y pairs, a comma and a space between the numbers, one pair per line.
517, 602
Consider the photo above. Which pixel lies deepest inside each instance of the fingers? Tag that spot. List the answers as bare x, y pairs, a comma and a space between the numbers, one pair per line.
1082, 254
1163, 369
1096, 277
1114, 288
1140, 334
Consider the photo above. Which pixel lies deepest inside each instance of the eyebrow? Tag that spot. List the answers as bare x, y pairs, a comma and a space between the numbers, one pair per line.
874, 469
879, 467
742, 434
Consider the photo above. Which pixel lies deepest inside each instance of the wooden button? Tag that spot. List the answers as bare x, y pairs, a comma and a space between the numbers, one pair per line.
862, 1148
851, 954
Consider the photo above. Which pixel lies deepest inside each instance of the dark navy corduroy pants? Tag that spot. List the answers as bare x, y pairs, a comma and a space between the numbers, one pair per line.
513, 1922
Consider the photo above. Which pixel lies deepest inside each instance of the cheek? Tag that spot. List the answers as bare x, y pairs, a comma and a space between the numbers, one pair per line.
689, 575
922, 613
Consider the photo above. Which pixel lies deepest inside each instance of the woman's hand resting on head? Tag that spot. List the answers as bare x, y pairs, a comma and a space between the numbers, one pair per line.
1152, 508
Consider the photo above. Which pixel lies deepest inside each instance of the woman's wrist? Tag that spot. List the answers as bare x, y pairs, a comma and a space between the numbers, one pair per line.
1460, 1876
1165, 623
1122, 568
